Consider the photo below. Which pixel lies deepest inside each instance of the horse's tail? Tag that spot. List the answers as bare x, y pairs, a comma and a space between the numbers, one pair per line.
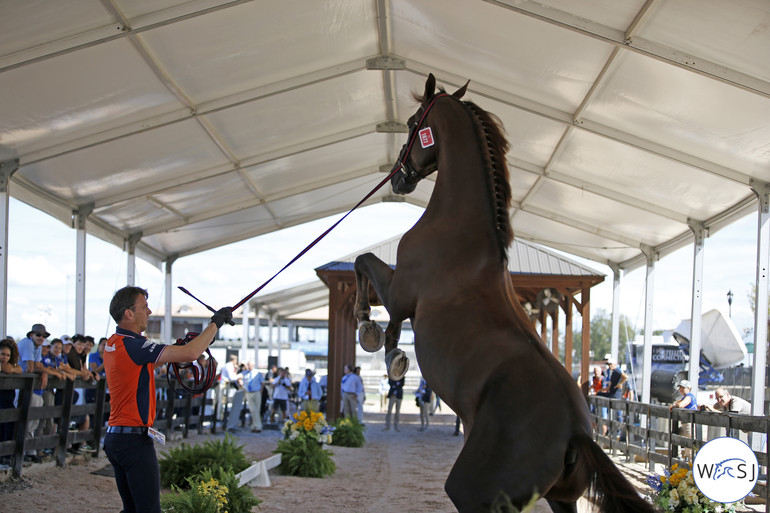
609, 487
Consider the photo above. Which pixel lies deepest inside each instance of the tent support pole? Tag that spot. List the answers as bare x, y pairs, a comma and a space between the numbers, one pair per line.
762, 190
700, 233
7, 169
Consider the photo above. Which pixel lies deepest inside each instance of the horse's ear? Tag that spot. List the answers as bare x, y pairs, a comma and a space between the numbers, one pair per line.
430, 87
460, 92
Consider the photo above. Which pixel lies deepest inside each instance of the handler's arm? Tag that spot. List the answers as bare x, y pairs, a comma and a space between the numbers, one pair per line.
193, 349
190, 351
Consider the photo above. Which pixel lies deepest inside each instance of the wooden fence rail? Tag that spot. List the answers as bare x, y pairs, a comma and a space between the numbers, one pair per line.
172, 412
651, 433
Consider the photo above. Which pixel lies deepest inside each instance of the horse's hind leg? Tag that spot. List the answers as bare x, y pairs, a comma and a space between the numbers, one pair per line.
370, 336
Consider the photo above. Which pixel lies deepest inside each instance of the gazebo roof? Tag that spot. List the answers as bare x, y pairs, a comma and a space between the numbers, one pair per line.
525, 259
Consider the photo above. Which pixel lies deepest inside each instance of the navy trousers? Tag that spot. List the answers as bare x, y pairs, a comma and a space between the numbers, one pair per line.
136, 471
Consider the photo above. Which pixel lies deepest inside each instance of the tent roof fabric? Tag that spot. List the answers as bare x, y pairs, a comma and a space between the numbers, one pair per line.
187, 125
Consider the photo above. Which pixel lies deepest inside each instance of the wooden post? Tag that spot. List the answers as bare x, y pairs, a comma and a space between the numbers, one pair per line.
342, 336
585, 312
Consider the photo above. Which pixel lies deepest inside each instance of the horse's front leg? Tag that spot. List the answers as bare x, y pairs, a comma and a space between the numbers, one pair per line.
369, 268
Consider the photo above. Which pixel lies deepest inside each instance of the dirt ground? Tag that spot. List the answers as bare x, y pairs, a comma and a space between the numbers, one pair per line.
394, 472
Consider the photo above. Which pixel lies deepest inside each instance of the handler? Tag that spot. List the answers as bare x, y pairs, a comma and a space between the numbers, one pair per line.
129, 360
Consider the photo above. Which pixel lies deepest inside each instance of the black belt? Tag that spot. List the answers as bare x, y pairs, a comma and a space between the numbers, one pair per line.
123, 430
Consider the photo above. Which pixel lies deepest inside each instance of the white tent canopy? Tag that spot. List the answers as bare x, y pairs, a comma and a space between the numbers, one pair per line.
186, 125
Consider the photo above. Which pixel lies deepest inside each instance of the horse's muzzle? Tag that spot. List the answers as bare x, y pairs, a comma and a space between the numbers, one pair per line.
400, 181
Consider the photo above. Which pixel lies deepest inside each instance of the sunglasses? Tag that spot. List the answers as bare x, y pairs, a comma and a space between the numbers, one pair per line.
38, 334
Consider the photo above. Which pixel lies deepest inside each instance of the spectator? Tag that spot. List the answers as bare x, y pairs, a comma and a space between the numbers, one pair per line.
384, 389
424, 397
323, 383
361, 396
267, 390
395, 395
96, 366
30, 354
612, 387
613, 380
281, 389
350, 387
227, 377
66, 344
597, 383
236, 382
77, 358
726, 403
688, 402
96, 360
255, 384
77, 361
309, 391
9, 364
51, 367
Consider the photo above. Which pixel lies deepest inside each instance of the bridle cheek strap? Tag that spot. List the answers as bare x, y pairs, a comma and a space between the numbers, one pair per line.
412, 137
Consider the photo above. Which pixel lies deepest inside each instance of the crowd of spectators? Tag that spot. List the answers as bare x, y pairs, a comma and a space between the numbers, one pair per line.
64, 358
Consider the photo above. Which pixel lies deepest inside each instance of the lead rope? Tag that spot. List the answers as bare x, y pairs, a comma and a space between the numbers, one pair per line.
396, 168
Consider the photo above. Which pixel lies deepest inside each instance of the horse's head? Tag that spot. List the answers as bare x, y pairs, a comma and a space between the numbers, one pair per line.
416, 161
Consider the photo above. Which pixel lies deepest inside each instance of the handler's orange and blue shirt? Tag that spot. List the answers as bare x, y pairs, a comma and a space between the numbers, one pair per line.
129, 360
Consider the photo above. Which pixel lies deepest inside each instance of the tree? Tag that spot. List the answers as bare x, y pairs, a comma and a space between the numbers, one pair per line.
601, 334
752, 295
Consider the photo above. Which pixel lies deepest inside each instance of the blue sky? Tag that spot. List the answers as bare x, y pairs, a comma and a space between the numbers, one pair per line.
41, 270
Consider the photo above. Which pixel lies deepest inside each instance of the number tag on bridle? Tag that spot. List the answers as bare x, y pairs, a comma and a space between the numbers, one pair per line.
426, 137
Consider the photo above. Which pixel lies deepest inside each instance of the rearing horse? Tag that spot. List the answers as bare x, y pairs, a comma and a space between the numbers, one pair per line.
526, 423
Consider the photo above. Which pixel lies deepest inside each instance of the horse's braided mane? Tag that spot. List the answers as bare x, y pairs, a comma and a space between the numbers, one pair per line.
493, 134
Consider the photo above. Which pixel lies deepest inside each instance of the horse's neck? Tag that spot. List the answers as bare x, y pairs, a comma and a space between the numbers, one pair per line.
461, 195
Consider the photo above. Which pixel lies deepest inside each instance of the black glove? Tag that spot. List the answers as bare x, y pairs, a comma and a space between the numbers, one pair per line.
223, 315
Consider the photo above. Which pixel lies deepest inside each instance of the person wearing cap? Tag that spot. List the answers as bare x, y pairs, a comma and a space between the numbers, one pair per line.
50, 366
31, 356
614, 379
309, 391
688, 402
129, 360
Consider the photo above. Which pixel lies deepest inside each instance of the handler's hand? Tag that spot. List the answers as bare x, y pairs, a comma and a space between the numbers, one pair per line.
223, 315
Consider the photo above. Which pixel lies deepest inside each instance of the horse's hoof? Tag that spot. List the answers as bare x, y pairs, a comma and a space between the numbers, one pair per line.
370, 336
397, 364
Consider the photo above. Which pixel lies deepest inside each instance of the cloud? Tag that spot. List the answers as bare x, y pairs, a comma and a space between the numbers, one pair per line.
35, 271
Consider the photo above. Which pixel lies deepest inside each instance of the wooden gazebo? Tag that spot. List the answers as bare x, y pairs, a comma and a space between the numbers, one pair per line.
545, 283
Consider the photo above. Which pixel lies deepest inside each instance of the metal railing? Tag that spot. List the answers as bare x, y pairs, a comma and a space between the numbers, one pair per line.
172, 413
652, 433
